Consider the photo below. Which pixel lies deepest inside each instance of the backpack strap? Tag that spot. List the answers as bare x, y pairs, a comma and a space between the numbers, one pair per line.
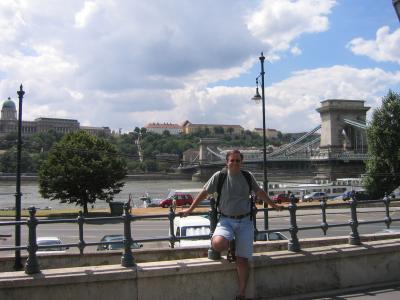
247, 175
221, 179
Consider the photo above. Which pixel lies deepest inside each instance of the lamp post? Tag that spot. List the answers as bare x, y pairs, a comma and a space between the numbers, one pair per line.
396, 5
17, 262
257, 98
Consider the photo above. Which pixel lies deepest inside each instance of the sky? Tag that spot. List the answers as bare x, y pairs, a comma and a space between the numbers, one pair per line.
126, 63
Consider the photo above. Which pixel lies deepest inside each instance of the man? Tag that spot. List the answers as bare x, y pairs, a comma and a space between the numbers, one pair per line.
234, 207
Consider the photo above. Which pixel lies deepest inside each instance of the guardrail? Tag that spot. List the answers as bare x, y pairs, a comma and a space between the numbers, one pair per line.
127, 260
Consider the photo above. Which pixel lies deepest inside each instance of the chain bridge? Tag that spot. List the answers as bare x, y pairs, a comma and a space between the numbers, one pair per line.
335, 148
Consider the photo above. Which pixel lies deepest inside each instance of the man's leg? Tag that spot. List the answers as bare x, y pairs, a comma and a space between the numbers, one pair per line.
244, 252
219, 243
222, 235
242, 268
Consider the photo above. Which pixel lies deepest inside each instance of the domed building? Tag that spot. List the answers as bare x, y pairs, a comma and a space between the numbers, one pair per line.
9, 123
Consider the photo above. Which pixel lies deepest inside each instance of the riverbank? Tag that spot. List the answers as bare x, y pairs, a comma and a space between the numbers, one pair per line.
139, 176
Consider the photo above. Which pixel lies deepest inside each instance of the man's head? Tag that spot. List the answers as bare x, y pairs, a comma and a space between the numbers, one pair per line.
234, 161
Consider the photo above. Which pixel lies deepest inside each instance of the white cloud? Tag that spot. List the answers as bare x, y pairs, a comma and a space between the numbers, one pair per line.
123, 64
290, 104
296, 50
279, 22
386, 46
85, 14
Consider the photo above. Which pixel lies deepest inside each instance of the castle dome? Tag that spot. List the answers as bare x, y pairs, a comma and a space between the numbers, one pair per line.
8, 111
9, 104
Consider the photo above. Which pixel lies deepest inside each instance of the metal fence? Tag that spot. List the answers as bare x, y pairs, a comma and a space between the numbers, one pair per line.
127, 260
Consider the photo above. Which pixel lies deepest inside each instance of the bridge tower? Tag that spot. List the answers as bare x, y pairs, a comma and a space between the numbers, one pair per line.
337, 135
343, 139
208, 153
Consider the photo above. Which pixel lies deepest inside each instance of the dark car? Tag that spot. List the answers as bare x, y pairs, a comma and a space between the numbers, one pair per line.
359, 195
181, 199
283, 198
271, 236
116, 242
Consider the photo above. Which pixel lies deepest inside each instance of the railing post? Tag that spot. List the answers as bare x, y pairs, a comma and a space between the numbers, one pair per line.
32, 265
293, 244
324, 224
388, 219
81, 220
213, 214
127, 259
254, 212
354, 238
171, 218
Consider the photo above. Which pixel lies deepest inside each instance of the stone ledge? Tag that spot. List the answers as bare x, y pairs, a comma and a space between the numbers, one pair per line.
66, 276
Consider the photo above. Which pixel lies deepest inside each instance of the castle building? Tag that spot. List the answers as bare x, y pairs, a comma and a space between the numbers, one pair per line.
9, 124
188, 127
159, 128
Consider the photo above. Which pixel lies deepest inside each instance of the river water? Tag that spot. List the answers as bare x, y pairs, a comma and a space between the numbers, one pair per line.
31, 196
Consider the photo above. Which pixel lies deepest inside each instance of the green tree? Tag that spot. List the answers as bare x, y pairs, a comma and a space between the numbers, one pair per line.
383, 166
81, 169
8, 161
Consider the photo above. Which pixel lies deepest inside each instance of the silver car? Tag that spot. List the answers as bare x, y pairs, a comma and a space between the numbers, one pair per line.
315, 196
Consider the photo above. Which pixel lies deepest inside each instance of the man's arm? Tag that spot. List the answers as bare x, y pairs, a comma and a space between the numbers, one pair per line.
261, 194
203, 194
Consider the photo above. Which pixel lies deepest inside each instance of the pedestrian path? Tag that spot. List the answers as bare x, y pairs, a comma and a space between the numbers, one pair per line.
378, 292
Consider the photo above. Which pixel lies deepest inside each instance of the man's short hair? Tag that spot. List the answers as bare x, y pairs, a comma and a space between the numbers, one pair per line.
230, 152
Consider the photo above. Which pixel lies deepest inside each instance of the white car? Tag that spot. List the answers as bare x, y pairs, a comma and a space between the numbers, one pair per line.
50, 244
192, 226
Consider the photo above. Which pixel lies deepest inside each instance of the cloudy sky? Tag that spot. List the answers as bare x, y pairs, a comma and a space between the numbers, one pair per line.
124, 63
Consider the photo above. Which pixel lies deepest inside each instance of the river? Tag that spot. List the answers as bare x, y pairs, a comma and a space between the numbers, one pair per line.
31, 196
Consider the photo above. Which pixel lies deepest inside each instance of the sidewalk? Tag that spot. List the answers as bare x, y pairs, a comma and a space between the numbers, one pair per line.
388, 291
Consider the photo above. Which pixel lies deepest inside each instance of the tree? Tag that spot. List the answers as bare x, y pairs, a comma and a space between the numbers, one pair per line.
383, 166
81, 169
8, 161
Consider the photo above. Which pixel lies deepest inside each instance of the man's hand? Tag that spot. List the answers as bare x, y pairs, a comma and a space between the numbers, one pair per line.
185, 213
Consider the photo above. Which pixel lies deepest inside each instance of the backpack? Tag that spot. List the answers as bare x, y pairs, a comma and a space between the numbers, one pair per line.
221, 179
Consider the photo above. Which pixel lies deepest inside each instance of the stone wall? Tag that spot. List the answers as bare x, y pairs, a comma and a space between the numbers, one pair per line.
273, 274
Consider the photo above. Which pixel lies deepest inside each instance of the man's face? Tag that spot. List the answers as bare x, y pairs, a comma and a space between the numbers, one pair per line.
234, 162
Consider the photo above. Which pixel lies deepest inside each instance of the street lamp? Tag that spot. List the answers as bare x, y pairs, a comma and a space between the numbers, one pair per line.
257, 98
396, 5
17, 262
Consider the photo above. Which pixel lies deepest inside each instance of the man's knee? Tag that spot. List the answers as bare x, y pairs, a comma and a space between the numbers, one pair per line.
219, 243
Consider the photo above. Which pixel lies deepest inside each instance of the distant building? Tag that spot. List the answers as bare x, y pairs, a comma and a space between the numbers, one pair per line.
9, 123
188, 127
159, 128
269, 133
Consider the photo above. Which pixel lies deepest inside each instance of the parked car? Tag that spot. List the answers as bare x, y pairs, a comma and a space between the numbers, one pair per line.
50, 244
359, 195
315, 196
116, 242
181, 199
192, 226
271, 236
279, 198
150, 202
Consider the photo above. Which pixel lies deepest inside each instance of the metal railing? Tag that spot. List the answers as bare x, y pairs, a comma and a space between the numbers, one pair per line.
127, 259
